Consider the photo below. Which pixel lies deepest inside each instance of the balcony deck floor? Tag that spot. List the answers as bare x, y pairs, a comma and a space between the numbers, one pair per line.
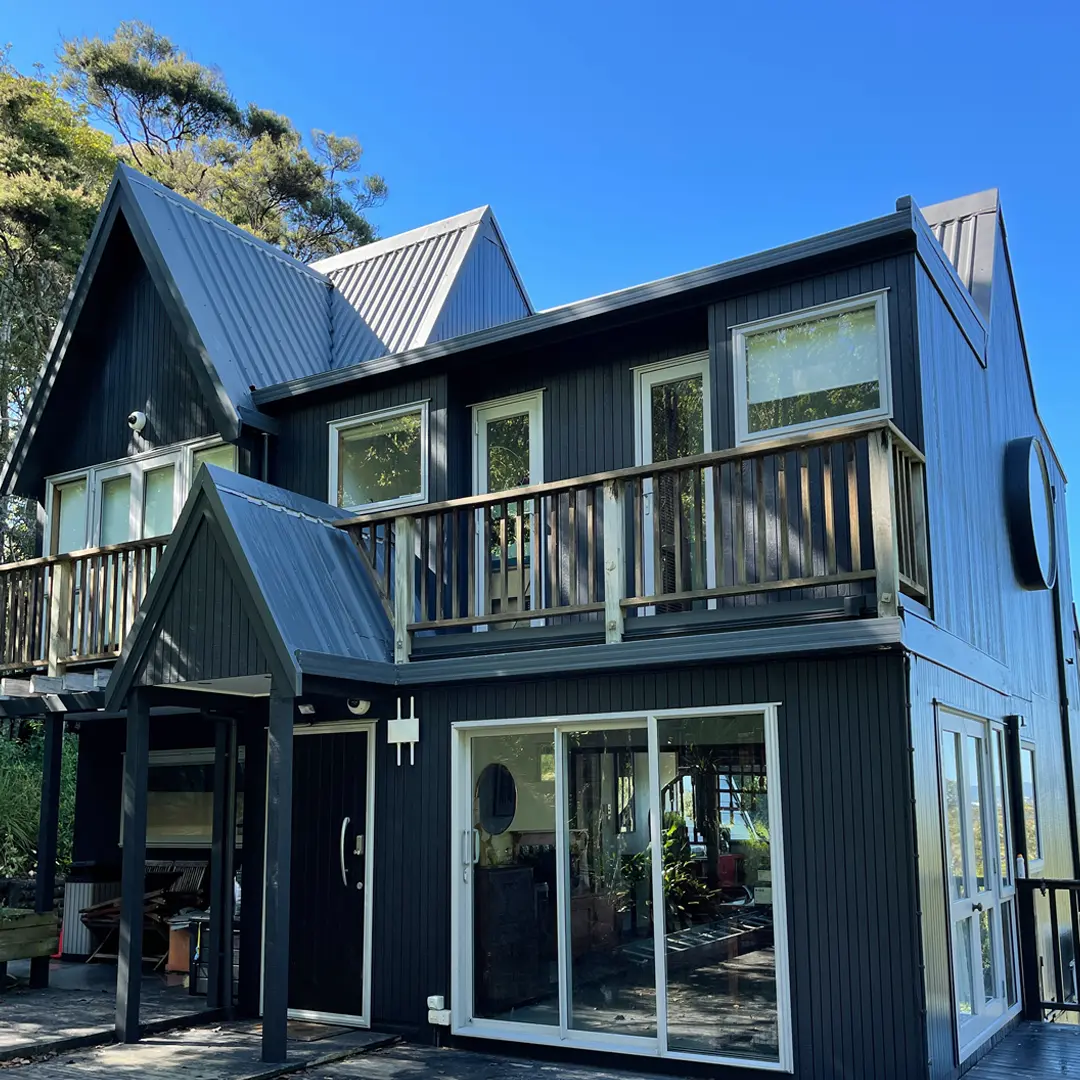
1032, 1051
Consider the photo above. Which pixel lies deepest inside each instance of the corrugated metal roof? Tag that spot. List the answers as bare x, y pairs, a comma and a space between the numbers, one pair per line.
399, 285
305, 582
965, 228
312, 578
262, 315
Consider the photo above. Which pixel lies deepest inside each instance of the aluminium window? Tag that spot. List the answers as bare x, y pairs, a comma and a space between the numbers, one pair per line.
813, 368
380, 459
1030, 788
133, 499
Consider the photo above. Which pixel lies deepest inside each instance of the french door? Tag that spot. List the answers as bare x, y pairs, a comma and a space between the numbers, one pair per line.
979, 873
673, 419
620, 884
507, 453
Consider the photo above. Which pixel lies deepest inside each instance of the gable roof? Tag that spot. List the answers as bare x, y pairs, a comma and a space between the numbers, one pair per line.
251, 316
965, 229
400, 286
284, 579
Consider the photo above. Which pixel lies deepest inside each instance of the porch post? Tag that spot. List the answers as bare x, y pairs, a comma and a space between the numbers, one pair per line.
278, 856
47, 825
219, 989
133, 877
251, 884
883, 515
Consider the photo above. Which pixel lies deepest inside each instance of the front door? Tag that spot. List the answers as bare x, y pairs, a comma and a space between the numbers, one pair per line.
673, 420
328, 905
979, 875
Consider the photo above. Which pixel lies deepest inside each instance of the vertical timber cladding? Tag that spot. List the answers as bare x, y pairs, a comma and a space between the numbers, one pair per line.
848, 837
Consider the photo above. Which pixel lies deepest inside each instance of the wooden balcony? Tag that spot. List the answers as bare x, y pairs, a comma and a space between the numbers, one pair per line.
74, 608
837, 513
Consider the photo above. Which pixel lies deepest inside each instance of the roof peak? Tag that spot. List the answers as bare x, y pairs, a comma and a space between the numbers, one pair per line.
964, 206
400, 240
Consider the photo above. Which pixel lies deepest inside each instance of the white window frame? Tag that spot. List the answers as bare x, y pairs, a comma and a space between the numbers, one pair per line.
1035, 863
179, 455
336, 427
461, 940
739, 333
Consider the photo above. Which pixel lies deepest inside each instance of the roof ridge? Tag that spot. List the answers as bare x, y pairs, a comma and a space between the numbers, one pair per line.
218, 222
399, 240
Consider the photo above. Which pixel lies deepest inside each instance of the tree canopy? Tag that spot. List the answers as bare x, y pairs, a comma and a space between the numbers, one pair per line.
136, 97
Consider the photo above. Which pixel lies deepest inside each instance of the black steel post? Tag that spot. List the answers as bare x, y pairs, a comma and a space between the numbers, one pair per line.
251, 883
47, 827
133, 877
219, 974
278, 856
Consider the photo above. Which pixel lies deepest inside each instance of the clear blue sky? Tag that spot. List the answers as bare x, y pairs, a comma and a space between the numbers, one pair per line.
623, 142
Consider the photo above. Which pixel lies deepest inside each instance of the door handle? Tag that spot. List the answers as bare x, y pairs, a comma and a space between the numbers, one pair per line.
976, 907
344, 875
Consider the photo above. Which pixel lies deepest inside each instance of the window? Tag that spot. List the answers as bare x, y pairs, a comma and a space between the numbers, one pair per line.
380, 459
180, 798
1029, 787
813, 368
137, 498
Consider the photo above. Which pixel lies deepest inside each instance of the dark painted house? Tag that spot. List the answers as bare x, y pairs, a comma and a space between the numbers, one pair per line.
685, 674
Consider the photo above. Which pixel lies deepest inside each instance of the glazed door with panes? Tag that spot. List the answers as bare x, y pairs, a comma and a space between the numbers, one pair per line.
979, 874
674, 421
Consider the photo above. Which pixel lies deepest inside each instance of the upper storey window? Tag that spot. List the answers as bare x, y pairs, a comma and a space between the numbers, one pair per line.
380, 459
134, 499
813, 368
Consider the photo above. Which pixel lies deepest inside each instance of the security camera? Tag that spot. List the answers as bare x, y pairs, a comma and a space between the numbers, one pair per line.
358, 706
137, 421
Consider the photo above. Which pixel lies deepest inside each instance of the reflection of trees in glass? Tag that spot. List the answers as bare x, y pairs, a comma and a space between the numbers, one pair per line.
1031, 818
508, 452
812, 371
379, 460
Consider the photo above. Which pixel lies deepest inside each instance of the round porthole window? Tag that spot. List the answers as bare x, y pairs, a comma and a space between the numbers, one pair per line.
496, 799
1029, 505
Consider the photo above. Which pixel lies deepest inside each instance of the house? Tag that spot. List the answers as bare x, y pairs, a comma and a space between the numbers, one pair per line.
687, 673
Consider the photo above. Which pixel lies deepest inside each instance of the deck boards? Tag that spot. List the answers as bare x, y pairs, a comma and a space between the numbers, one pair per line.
1040, 1051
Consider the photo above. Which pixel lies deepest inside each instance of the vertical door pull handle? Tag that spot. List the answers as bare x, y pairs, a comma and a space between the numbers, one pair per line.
344, 876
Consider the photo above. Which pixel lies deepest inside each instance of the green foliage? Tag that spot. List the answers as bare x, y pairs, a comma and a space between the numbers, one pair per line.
21, 759
177, 121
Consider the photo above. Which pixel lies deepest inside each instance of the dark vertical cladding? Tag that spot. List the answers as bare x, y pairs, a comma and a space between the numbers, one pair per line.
894, 273
300, 455
855, 993
207, 598
124, 356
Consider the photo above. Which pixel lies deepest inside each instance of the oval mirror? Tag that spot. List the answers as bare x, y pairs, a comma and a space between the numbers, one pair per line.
496, 799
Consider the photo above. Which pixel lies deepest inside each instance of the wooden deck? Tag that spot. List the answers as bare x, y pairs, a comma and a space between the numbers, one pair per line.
1032, 1051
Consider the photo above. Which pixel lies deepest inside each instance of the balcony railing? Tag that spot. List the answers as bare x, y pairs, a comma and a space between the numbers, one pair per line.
73, 608
842, 510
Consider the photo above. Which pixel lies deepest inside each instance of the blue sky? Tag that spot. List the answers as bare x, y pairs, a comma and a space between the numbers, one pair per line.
623, 142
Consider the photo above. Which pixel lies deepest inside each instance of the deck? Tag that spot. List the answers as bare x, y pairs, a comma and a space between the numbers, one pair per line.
1032, 1051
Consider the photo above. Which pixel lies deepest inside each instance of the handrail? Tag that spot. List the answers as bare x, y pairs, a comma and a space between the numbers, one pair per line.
1063, 982
71, 556
633, 472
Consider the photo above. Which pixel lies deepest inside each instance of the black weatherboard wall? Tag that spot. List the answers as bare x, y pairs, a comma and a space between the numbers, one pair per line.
848, 839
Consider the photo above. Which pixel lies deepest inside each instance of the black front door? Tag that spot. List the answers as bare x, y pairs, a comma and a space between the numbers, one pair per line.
326, 912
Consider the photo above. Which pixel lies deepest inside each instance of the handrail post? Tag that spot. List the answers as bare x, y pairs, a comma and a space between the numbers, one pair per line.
404, 586
61, 594
883, 517
614, 564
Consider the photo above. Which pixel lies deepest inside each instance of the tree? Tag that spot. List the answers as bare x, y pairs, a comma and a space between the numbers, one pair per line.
177, 121
54, 172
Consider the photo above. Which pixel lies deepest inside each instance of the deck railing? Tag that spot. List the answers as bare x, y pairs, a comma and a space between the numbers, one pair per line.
1058, 986
72, 608
843, 508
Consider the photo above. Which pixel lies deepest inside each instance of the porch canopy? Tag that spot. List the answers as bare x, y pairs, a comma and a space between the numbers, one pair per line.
256, 589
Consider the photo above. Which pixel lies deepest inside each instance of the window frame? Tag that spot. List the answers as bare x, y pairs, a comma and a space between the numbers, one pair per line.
179, 455
877, 299
1037, 861
335, 429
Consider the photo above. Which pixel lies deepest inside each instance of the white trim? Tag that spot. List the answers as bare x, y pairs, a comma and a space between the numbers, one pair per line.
179, 455
462, 949
343, 727
877, 299
336, 427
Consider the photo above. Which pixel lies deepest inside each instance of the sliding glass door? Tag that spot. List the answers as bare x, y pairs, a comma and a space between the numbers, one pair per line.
621, 885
